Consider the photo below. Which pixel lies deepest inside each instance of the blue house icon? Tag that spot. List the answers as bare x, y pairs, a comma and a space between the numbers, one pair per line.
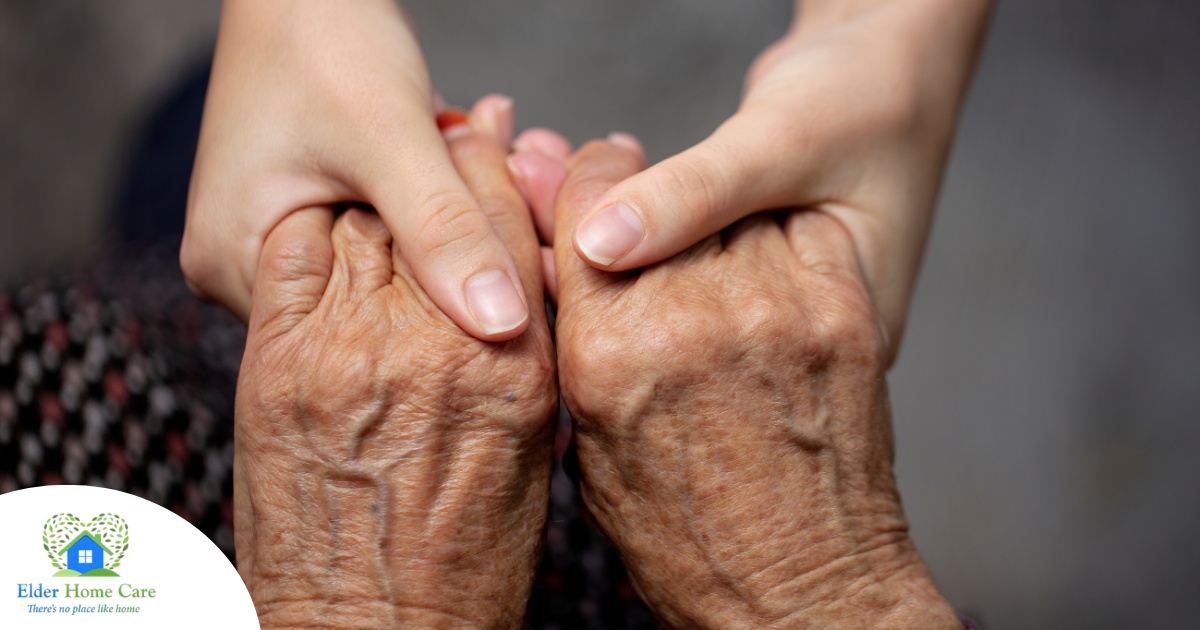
84, 553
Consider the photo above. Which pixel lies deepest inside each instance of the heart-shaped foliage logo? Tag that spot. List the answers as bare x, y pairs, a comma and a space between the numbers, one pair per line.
92, 549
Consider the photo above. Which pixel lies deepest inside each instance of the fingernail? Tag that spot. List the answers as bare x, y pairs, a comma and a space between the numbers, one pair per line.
544, 141
517, 174
453, 123
521, 144
495, 116
610, 234
627, 140
495, 303
504, 117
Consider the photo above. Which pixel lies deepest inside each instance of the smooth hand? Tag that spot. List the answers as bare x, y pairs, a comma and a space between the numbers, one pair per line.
732, 423
390, 470
313, 103
851, 113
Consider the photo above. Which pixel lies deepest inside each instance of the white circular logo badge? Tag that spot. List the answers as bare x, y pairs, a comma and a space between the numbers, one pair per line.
85, 557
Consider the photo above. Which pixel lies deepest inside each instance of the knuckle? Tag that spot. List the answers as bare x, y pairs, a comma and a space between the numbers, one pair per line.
497, 197
583, 191
595, 170
843, 324
763, 316
596, 368
363, 225
699, 181
450, 223
612, 369
292, 258
604, 159
471, 146
594, 150
496, 192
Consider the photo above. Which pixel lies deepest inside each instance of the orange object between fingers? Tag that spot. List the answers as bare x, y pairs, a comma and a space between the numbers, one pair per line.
452, 118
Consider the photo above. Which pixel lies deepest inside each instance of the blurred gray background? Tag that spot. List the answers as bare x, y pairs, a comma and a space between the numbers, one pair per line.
1048, 396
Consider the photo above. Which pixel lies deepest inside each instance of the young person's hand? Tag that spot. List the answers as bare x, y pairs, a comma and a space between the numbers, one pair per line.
851, 114
314, 103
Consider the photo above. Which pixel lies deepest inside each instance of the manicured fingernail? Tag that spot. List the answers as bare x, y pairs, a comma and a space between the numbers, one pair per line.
610, 234
627, 140
495, 303
453, 123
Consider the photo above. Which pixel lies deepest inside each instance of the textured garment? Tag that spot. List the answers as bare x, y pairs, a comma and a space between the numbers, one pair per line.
120, 378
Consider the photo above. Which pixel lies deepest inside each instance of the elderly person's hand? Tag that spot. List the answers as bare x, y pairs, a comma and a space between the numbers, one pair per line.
732, 423
390, 469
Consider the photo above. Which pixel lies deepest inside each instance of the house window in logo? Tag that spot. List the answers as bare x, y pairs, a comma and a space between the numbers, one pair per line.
85, 556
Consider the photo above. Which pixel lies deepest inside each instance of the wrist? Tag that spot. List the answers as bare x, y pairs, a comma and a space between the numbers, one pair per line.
306, 549
897, 601
323, 531
893, 595
367, 32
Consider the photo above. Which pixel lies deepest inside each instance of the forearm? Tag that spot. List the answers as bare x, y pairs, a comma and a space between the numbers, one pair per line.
969, 15
260, 12
899, 69
939, 38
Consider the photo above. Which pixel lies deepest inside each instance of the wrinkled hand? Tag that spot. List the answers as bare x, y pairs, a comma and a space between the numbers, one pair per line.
732, 423
389, 468
313, 103
852, 112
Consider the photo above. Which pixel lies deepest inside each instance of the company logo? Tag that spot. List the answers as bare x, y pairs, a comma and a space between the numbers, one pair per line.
92, 549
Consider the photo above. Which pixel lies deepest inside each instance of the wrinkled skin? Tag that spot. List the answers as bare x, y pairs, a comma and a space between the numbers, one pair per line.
390, 470
732, 423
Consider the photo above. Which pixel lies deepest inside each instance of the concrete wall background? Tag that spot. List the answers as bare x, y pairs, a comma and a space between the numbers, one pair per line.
1048, 397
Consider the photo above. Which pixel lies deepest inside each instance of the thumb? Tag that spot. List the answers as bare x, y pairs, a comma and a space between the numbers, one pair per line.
293, 269
592, 171
443, 234
741, 169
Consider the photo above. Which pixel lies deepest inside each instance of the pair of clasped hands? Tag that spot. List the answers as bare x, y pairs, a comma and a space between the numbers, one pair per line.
725, 319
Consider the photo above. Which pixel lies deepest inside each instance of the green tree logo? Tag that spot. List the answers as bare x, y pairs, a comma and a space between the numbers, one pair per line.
92, 549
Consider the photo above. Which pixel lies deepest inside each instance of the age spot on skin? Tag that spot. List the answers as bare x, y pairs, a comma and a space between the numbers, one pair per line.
510, 397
